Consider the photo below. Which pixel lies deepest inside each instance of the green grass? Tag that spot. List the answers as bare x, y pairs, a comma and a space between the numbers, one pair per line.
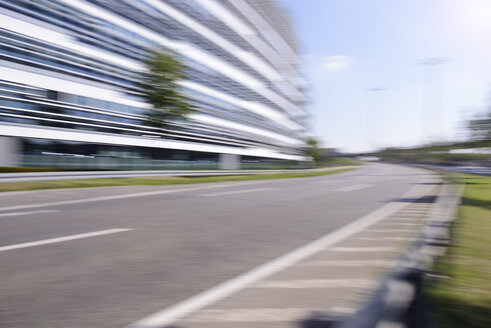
464, 299
150, 181
342, 161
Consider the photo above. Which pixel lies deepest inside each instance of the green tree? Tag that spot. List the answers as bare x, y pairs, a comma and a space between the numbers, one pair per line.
481, 128
313, 149
160, 89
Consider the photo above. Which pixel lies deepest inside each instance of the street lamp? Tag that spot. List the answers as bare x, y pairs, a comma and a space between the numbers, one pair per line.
432, 66
370, 115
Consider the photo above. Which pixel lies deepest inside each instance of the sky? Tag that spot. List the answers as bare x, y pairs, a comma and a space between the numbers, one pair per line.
368, 86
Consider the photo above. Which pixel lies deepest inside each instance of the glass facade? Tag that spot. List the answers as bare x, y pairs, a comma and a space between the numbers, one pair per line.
74, 65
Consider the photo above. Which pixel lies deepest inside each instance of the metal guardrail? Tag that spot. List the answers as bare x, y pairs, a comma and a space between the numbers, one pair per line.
398, 302
480, 170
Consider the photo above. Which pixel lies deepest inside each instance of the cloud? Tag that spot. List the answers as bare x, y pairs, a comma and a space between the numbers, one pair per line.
335, 62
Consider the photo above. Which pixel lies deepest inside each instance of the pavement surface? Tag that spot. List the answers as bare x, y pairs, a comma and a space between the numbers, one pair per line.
233, 254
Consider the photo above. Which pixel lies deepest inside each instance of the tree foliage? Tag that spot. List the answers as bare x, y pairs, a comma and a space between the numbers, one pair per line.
313, 149
160, 89
481, 128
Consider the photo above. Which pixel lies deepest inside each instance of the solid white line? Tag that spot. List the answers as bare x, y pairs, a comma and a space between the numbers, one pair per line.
355, 187
140, 194
61, 239
235, 192
171, 314
27, 213
317, 283
363, 249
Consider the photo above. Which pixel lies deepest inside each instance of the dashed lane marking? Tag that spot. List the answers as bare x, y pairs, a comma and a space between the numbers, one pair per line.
61, 239
235, 192
355, 187
132, 195
27, 213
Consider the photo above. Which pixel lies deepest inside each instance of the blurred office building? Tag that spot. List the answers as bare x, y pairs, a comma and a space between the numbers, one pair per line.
69, 72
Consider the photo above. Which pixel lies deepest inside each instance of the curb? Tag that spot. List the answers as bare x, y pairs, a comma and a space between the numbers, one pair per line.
40, 176
398, 302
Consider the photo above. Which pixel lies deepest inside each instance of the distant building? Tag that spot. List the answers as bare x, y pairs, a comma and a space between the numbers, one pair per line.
69, 72
331, 152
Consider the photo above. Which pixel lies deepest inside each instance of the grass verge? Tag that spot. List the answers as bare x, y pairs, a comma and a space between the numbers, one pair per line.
150, 181
343, 161
464, 298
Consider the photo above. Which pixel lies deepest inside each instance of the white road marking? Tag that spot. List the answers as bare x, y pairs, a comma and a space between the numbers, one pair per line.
175, 312
406, 219
389, 230
16, 193
403, 224
384, 238
61, 239
350, 263
27, 213
140, 194
317, 283
235, 192
259, 314
355, 187
412, 214
363, 249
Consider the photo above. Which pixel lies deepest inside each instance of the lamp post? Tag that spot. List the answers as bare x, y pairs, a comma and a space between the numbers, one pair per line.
372, 109
432, 98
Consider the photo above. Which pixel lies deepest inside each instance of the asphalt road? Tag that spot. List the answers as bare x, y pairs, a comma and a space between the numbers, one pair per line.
63, 264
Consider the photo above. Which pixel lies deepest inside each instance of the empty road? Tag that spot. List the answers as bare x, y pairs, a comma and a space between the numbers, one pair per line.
110, 257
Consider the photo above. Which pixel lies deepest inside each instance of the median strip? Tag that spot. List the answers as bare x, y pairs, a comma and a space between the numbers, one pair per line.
158, 180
